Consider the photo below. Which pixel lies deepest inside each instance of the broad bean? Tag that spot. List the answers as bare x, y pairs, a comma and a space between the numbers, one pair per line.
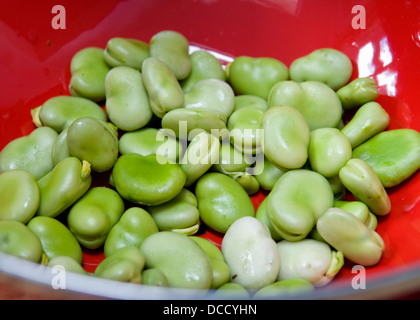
359, 210
221, 201
94, 141
135, 225
297, 201
231, 161
309, 259
127, 103
202, 152
211, 94
262, 215
179, 258
269, 174
245, 132
326, 65
318, 103
59, 112
360, 179
186, 123
250, 253
286, 137
178, 215
393, 155
163, 89
369, 120
154, 277
63, 186
126, 52
148, 180
172, 48
68, 263
285, 288
31, 153
358, 92
221, 271
56, 238
18, 240
19, 195
204, 65
88, 71
329, 150
149, 140
249, 183
346, 233
91, 218
248, 100
60, 148
256, 76
231, 290
126, 265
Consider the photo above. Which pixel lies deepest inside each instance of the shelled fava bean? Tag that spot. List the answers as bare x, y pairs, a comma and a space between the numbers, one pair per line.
184, 142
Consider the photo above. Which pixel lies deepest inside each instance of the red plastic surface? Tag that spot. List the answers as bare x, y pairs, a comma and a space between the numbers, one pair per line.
35, 57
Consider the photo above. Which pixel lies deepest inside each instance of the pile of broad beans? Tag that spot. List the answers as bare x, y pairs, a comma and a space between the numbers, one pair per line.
184, 142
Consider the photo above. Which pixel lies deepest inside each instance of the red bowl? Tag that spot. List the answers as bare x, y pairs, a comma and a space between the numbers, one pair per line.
382, 38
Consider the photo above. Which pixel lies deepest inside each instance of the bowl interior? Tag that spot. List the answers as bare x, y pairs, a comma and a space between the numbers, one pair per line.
35, 61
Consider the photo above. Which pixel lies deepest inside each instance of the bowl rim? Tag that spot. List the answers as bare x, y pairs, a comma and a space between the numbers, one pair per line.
386, 286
